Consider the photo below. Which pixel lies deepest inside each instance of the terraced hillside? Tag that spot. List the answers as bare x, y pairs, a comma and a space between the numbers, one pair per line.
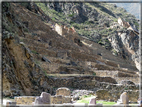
36, 58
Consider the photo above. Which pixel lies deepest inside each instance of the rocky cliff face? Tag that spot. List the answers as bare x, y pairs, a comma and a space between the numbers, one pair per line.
36, 58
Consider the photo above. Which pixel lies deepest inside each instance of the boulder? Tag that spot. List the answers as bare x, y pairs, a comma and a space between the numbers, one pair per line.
92, 100
124, 98
45, 59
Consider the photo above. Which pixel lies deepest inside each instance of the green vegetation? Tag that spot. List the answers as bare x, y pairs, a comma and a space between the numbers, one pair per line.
21, 40
136, 24
108, 15
53, 19
83, 101
86, 99
54, 15
106, 102
86, 96
100, 41
25, 4
94, 73
33, 51
115, 19
25, 30
37, 62
114, 51
8, 25
104, 32
44, 72
98, 102
70, 15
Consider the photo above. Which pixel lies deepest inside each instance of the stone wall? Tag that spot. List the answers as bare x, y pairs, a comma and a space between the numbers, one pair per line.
117, 75
107, 91
135, 80
115, 95
112, 92
26, 100
106, 73
63, 91
59, 99
90, 82
84, 82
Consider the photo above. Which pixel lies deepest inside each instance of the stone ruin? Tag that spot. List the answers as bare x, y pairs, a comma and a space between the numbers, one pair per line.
104, 94
63, 91
62, 30
63, 96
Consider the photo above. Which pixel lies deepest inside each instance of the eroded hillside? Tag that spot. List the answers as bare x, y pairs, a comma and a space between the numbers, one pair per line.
36, 58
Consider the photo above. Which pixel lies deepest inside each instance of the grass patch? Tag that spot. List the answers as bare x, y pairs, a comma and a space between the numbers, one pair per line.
44, 72
106, 102
86, 99
87, 96
98, 102
83, 101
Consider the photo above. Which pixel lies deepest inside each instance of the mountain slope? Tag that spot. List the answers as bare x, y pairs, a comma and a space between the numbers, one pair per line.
36, 58
98, 22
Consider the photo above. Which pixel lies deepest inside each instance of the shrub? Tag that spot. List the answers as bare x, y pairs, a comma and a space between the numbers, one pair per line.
114, 51
44, 72
70, 15
94, 74
115, 20
34, 52
25, 4
53, 19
